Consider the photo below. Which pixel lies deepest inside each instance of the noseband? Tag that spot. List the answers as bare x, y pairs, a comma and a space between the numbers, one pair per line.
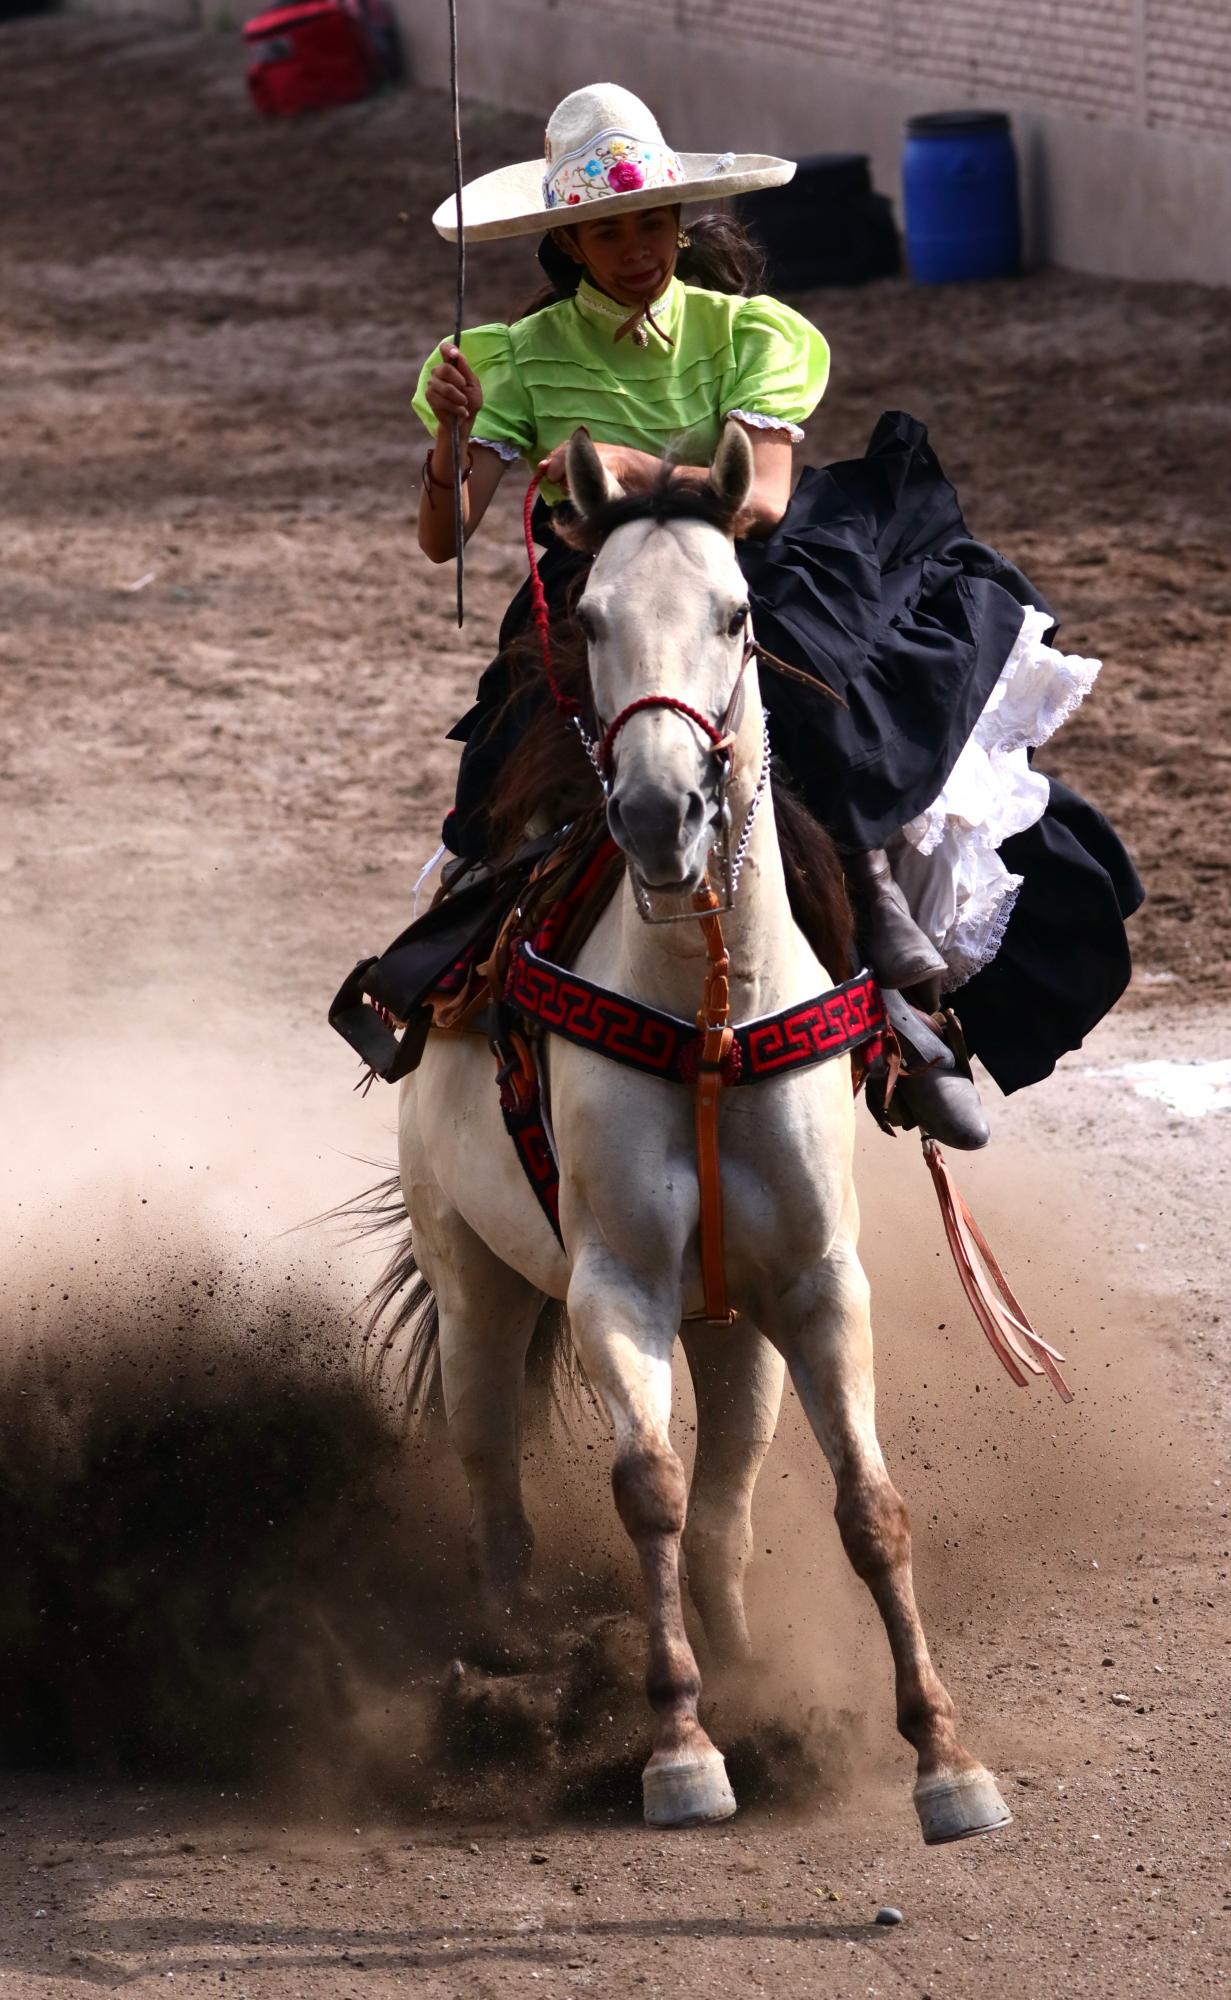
720, 744
721, 735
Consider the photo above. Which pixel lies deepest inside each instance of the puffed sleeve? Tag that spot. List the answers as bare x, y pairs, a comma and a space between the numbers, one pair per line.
506, 420
781, 367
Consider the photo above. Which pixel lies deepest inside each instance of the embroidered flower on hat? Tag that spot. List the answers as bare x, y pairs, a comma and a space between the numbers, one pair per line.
612, 162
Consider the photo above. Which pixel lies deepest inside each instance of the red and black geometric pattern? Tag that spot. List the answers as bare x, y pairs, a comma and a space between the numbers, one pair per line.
525, 1127
844, 1018
546, 996
595, 1018
834, 1023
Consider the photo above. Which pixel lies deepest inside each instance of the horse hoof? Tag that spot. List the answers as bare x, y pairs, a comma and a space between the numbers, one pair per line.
688, 1794
958, 1808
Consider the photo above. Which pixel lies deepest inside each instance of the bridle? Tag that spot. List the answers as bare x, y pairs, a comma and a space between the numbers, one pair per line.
719, 739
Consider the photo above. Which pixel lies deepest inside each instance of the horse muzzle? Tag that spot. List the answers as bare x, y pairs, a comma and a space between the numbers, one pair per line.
665, 834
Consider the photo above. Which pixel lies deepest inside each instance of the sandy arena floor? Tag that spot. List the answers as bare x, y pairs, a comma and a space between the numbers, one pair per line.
227, 672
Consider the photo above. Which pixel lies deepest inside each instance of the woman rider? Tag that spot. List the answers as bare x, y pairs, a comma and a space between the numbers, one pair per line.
1012, 889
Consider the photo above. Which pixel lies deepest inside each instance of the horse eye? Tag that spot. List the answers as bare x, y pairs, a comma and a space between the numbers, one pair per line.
737, 621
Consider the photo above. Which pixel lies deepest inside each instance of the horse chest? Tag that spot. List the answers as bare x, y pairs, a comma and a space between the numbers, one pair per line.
627, 1149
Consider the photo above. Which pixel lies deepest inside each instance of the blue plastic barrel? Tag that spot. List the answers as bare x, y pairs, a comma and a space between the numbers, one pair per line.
959, 193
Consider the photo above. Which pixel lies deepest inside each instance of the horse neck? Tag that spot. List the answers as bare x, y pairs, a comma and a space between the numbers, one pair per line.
665, 963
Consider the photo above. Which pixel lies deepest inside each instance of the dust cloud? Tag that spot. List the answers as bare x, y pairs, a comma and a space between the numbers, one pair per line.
228, 1558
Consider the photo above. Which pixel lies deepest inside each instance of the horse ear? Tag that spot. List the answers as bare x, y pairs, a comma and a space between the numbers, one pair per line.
733, 470
590, 484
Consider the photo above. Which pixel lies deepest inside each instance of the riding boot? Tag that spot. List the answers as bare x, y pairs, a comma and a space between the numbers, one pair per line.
935, 1090
895, 948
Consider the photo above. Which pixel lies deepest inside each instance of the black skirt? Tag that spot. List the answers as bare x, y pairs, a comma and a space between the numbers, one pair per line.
873, 581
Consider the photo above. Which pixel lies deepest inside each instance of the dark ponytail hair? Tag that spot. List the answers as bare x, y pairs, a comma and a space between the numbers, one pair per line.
720, 257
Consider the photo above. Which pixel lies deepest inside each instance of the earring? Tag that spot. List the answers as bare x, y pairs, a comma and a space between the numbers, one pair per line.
683, 241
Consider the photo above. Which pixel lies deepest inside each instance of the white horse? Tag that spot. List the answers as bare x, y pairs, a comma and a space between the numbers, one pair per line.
665, 610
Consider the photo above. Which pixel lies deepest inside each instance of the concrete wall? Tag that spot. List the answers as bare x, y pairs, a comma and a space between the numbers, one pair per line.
1121, 108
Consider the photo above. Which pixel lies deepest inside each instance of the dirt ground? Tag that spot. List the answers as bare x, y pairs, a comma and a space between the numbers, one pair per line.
232, 1754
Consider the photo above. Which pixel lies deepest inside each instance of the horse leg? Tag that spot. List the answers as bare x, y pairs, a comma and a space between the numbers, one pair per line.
824, 1328
487, 1316
737, 1379
625, 1340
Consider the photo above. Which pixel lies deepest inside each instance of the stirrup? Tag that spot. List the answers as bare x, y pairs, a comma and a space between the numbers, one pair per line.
934, 1091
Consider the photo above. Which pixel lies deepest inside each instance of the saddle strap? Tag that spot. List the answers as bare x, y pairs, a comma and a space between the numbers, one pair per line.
709, 1055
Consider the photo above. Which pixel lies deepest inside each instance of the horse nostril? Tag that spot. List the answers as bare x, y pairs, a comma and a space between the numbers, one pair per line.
694, 816
615, 821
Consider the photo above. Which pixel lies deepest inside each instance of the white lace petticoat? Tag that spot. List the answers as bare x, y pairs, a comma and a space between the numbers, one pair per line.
945, 861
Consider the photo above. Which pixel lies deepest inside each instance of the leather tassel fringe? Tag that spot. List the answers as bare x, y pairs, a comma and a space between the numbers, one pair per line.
1010, 1335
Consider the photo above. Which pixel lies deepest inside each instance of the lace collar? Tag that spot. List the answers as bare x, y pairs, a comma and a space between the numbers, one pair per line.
600, 310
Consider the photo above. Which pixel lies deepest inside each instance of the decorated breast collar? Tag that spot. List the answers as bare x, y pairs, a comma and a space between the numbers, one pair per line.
540, 996
641, 1037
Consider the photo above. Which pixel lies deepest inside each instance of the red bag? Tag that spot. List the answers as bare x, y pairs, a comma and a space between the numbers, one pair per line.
317, 53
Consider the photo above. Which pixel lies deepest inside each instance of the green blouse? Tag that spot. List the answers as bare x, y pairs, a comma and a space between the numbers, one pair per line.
542, 376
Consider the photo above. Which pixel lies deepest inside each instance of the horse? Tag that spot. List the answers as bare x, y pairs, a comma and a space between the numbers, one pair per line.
665, 615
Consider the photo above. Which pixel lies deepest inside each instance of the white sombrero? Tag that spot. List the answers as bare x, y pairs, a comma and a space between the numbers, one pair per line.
603, 148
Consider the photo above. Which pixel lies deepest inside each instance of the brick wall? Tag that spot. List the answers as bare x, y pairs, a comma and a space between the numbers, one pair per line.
1078, 55
1188, 66
1157, 63
861, 34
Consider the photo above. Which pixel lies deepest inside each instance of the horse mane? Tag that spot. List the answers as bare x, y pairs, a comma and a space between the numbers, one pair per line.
815, 880
549, 772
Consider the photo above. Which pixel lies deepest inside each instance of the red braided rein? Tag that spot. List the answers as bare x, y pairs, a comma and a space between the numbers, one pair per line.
539, 612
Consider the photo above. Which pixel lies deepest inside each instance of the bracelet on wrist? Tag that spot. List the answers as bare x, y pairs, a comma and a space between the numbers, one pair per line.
430, 480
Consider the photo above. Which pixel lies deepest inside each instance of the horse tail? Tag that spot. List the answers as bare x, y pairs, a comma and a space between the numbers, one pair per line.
555, 1378
399, 1342
400, 1339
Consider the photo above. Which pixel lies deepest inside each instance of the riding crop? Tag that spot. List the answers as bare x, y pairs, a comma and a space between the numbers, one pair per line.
459, 539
